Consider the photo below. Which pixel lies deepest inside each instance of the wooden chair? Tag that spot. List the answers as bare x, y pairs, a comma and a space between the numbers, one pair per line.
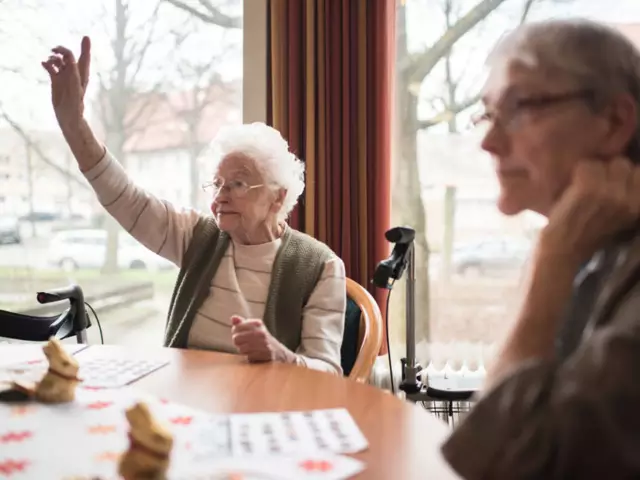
362, 338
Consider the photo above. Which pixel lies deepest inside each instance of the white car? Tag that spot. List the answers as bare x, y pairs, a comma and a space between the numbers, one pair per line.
74, 249
9, 230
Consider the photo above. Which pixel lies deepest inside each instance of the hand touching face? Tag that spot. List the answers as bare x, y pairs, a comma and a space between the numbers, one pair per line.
602, 200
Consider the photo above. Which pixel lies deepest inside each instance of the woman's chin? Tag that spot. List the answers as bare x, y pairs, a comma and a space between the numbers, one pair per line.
227, 221
511, 205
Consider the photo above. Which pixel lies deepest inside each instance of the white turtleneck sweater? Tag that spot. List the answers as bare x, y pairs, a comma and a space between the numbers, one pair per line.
241, 283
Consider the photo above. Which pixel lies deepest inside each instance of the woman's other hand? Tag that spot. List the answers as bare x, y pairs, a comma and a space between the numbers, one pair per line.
252, 339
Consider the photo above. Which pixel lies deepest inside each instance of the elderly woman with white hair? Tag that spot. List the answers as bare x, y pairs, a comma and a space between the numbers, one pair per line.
248, 283
562, 399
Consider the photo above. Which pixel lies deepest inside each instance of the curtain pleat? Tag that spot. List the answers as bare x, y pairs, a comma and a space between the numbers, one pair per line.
330, 94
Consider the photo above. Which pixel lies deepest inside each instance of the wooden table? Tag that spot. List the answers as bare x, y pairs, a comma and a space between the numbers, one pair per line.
404, 439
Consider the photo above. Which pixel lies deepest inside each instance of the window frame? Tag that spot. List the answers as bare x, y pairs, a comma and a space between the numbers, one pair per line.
254, 61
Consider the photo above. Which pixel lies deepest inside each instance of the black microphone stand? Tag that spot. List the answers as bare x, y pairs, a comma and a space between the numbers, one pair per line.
387, 272
411, 369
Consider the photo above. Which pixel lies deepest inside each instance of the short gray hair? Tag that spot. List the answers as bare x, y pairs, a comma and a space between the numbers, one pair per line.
595, 56
270, 152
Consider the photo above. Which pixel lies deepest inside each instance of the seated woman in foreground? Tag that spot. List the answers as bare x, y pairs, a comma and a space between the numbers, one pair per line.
248, 283
562, 399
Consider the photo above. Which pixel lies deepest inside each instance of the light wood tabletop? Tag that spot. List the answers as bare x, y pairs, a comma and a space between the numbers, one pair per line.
404, 439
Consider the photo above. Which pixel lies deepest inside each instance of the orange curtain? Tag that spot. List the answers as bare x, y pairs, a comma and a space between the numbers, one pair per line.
330, 89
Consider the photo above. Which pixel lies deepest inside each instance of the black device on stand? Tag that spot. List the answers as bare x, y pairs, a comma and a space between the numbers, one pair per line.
387, 272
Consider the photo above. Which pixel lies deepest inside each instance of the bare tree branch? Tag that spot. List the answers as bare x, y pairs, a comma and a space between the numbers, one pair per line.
454, 108
210, 14
38, 151
422, 64
448, 114
142, 51
526, 10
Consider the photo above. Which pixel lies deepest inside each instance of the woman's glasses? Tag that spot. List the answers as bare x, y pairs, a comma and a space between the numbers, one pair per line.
511, 111
234, 188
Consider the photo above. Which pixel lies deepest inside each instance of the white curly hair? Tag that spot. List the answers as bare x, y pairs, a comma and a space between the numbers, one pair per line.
270, 152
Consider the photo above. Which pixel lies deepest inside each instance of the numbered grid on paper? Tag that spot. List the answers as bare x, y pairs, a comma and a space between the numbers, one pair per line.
95, 372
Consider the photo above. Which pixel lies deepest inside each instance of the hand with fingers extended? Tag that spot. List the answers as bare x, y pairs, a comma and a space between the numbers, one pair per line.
602, 200
252, 339
69, 80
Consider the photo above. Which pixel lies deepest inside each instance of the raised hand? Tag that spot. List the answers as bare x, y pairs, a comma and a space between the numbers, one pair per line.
602, 200
69, 80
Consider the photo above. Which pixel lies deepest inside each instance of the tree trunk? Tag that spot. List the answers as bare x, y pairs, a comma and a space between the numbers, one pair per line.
70, 164
408, 208
450, 192
194, 154
116, 134
449, 232
115, 144
32, 220
194, 178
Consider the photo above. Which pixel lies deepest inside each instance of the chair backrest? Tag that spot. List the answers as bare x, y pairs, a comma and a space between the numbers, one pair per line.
363, 333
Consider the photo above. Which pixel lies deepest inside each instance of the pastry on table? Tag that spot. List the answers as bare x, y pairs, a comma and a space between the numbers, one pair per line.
58, 385
150, 446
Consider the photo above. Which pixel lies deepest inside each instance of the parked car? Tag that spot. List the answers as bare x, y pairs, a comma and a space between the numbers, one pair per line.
491, 256
40, 217
10, 230
73, 249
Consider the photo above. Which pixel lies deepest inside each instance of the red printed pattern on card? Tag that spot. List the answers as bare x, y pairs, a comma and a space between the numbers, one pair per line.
9, 467
22, 410
15, 437
101, 429
316, 466
107, 457
181, 420
99, 405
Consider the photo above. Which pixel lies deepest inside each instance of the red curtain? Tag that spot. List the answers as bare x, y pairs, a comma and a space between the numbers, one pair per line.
330, 91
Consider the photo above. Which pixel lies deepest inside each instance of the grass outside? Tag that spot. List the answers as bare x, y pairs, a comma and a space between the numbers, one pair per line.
22, 283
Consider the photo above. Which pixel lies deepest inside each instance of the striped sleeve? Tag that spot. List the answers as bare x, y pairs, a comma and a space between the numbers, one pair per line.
155, 223
323, 320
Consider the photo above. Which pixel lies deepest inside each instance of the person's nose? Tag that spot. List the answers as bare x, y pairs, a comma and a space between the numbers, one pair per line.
222, 195
495, 140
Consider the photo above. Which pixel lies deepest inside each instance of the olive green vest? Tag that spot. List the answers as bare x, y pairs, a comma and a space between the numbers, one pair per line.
296, 270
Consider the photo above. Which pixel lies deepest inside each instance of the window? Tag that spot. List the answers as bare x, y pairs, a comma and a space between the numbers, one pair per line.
468, 286
148, 61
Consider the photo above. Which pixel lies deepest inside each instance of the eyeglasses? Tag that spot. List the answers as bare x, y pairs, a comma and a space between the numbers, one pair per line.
511, 111
235, 188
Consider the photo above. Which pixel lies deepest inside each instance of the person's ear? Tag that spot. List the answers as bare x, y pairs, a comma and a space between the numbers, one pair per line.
279, 200
621, 123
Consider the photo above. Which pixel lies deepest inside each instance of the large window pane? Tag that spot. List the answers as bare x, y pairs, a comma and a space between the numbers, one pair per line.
165, 76
469, 285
